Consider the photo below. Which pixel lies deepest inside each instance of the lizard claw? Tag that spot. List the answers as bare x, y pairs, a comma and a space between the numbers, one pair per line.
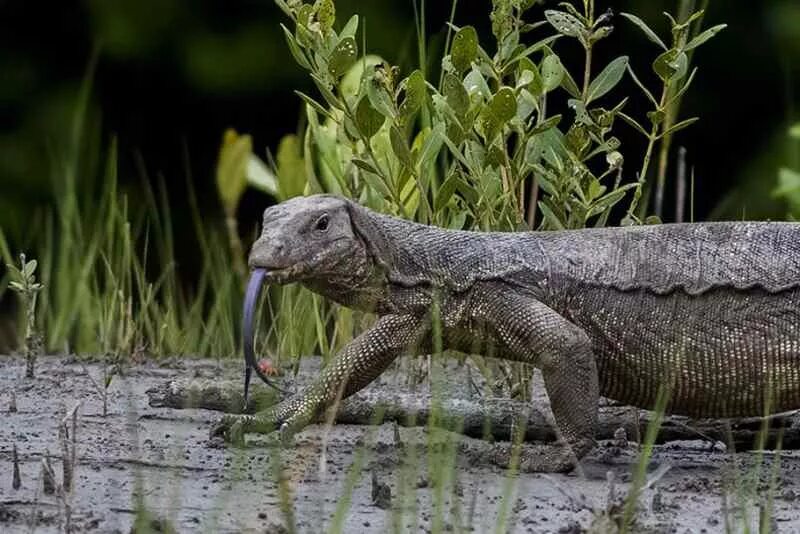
231, 429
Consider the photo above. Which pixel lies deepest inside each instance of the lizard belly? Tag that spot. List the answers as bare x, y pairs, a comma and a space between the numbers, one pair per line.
725, 353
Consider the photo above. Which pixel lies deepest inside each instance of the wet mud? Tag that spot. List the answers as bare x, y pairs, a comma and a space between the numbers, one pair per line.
365, 478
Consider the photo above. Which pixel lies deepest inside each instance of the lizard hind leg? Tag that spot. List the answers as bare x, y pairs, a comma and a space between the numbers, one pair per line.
527, 330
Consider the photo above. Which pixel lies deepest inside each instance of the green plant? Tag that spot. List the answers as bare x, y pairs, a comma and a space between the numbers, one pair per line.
788, 187
507, 140
23, 281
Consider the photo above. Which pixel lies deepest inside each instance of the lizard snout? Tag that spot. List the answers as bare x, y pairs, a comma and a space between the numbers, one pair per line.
268, 254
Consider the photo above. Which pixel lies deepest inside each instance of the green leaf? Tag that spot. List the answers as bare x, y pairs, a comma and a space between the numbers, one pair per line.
304, 14
285, 8
671, 65
464, 49
415, 94
380, 99
431, 146
703, 37
365, 166
342, 57
684, 88
350, 28
291, 167
455, 94
548, 123
468, 192
457, 220
535, 47
607, 79
295, 50
630, 120
314, 104
656, 117
679, 126
564, 23
368, 119
503, 105
456, 152
645, 28
474, 82
794, 131
375, 182
550, 218
788, 182
569, 85
445, 192
326, 14
501, 109
14, 271
326, 93
232, 167
552, 72
400, 147
29, 269
16, 286
644, 89
609, 200
261, 177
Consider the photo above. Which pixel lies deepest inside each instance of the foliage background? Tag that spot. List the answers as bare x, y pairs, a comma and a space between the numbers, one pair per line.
170, 75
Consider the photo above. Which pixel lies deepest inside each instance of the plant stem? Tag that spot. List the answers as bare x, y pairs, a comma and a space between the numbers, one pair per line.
587, 73
587, 67
672, 112
652, 138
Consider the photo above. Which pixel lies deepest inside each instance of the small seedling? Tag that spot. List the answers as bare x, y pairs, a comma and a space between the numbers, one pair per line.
109, 371
23, 281
16, 481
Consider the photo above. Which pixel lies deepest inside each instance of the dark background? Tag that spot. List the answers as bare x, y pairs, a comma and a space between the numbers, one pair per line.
171, 75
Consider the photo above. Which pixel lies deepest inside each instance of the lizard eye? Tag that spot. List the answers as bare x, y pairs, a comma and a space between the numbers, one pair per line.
322, 223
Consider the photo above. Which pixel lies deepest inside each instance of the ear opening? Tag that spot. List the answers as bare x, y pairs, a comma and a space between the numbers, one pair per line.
369, 233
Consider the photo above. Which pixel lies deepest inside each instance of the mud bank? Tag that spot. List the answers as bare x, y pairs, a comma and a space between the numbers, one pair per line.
161, 459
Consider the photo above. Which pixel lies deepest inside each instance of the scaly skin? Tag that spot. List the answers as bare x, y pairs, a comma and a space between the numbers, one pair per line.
707, 312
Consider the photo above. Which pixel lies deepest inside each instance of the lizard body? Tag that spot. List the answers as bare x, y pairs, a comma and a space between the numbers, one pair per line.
708, 311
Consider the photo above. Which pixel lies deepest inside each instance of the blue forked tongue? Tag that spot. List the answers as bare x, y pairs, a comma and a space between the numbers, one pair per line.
250, 299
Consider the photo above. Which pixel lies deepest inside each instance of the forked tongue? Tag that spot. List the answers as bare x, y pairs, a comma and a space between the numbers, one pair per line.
250, 300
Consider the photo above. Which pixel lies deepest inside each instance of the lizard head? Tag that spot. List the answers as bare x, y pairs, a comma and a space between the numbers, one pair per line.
309, 240
316, 241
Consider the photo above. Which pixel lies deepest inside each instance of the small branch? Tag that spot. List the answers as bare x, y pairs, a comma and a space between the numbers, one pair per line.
402, 405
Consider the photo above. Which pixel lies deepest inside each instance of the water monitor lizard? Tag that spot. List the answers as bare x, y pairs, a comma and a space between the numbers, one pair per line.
708, 311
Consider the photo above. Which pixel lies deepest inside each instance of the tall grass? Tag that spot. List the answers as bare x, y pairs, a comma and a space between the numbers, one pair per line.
112, 282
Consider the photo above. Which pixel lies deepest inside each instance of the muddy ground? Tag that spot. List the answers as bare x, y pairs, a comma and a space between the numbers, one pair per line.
163, 458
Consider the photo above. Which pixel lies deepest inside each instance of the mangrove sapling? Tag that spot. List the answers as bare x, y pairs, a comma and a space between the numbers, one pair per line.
23, 281
109, 372
67, 437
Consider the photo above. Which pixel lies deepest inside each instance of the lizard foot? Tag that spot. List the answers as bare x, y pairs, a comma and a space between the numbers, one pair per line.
530, 458
231, 428
536, 458
287, 418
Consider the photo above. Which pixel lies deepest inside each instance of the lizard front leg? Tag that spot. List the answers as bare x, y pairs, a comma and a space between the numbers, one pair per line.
524, 329
358, 364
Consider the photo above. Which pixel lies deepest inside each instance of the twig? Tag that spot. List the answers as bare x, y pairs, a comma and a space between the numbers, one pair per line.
680, 185
48, 476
